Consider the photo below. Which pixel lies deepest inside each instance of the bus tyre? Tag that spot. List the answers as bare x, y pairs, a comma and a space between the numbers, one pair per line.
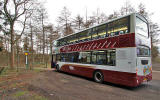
98, 77
57, 68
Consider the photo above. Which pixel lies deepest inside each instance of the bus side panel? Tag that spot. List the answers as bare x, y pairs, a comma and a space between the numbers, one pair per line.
117, 77
78, 70
122, 78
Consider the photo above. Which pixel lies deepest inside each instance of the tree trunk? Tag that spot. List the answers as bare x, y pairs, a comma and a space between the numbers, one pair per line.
17, 45
12, 48
43, 37
32, 47
12, 57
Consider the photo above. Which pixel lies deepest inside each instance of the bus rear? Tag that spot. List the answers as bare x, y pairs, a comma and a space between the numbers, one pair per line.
143, 46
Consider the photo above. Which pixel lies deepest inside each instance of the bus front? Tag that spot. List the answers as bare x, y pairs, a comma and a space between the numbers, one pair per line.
54, 54
143, 48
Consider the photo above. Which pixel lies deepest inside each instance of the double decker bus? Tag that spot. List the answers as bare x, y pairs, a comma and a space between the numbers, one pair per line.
117, 51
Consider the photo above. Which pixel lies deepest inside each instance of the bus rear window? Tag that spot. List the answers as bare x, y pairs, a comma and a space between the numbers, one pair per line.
141, 27
143, 51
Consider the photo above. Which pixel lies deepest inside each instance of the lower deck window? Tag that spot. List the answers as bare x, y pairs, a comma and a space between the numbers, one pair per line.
105, 57
85, 57
111, 57
99, 57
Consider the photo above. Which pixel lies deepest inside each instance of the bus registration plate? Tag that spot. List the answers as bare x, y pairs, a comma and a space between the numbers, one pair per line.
145, 79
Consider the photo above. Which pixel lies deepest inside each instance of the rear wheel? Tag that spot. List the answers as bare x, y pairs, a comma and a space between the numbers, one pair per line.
98, 77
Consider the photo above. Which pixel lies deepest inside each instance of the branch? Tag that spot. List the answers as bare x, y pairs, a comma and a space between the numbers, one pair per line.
24, 26
16, 6
24, 8
6, 13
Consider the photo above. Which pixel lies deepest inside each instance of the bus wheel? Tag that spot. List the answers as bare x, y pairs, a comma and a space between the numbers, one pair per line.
57, 68
98, 77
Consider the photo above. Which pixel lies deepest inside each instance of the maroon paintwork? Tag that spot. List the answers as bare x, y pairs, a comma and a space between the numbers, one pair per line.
121, 78
125, 40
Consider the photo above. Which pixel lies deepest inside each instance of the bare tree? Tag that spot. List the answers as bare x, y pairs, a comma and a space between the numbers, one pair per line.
78, 22
64, 21
18, 13
31, 38
127, 8
114, 15
53, 35
98, 17
142, 10
39, 22
87, 23
154, 33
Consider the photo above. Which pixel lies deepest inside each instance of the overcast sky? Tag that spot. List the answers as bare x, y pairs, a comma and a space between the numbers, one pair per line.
54, 7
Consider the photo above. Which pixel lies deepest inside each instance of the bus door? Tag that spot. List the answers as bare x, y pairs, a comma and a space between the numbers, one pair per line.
53, 61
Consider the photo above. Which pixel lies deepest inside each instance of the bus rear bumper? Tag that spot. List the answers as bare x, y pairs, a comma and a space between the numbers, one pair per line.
141, 79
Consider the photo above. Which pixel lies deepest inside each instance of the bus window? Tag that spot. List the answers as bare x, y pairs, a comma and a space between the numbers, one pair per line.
65, 57
111, 57
102, 31
94, 33
84, 36
143, 51
107, 57
72, 39
141, 27
110, 29
63, 41
94, 58
118, 27
85, 57
73, 57
101, 57
76, 55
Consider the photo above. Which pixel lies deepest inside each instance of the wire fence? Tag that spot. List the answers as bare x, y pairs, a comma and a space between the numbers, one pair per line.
35, 60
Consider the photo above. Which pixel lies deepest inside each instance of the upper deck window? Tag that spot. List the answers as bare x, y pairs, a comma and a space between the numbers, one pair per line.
102, 31
141, 27
84, 36
72, 39
113, 28
94, 33
117, 27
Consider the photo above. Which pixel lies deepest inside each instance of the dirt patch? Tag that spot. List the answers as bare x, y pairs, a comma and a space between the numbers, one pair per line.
52, 85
